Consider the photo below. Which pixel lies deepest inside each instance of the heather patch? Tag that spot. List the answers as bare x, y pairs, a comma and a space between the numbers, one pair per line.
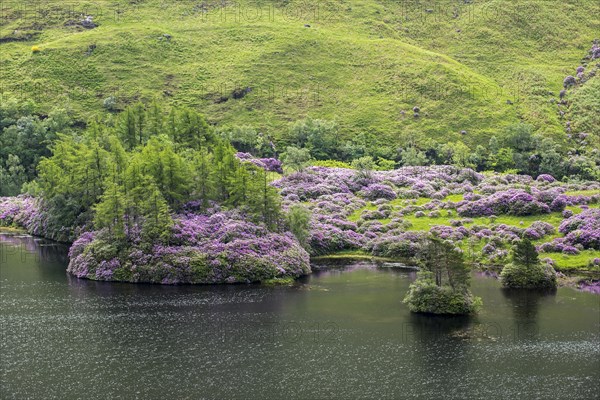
476, 211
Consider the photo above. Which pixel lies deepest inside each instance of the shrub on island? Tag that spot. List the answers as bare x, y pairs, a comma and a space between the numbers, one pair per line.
526, 271
425, 296
442, 285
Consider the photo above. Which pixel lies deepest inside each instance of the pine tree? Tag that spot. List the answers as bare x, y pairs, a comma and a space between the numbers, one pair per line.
263, 200
442, 285
139, 113
526, 270
135, 185
445, 261
96, 164
118, 156
110, 210
203, 187
224, 170
126, 128
171, 126
238, 186
524, 254
155, 120
193, 130
157, 219
174, 185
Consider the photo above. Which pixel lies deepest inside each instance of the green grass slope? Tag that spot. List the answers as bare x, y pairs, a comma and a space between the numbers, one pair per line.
365, 64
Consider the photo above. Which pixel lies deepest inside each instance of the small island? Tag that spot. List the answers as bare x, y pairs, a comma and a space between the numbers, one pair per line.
526, 271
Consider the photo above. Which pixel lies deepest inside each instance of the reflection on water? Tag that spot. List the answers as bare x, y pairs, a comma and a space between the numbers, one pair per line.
525, 305
339, 333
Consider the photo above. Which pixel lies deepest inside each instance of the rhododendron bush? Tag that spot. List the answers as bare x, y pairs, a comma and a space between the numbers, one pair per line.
29, 213
582, 231
20, 211
219, 248
268, 164
511, 202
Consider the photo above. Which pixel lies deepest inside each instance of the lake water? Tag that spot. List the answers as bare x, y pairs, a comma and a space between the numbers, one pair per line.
340, 333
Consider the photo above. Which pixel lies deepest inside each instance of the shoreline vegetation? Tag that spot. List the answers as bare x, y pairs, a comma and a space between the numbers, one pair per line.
359, 218
158, 194
342, 258
584, 280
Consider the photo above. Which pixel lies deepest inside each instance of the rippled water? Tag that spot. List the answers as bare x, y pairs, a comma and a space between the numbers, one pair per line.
341, 333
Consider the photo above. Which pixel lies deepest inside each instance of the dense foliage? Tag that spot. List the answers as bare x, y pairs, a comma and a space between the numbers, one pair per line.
146, 166
135, 175
442, 285
141, 198
516, 149
425, 296
216, 247
526, 271
25, 136
388, 213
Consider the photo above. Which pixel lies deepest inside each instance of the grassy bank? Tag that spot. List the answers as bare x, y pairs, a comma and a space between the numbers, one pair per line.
365, 64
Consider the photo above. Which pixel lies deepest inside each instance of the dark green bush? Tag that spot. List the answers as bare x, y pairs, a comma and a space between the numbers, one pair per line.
533, 277
424, 296
526, 271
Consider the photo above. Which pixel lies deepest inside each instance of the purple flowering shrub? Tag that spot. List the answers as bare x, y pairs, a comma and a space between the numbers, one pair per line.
571, 250
268, 164
11, 208
220, 248
595, 50
310, 184
582, 229
546, 178
569, 81
538, 230
511, 202
328, 238
334, 194
223, 246
450, 233
396, 244
29, 213
374, 214
378, 191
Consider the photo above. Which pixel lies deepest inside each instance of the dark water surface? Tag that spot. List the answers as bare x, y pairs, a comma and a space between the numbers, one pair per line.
340, 333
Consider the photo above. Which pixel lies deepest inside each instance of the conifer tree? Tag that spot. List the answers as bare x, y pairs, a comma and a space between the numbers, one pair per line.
203, 188
446, 263
126, 128
139, 114
157, 219
525, 254
110, 209
155, 120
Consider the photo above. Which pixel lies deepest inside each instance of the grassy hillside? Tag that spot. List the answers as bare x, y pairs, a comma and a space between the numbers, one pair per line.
365, 64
